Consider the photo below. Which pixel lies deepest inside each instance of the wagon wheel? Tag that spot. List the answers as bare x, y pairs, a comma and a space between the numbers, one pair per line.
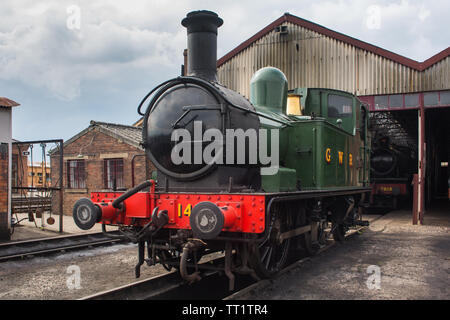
269, 257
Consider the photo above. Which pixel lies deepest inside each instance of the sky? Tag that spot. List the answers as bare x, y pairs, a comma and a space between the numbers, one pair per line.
70, 62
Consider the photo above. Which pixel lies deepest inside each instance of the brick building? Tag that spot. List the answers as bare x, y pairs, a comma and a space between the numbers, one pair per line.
39, 174
5, 166
104, 156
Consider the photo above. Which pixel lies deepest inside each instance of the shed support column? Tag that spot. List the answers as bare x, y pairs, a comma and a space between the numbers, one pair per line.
421, 162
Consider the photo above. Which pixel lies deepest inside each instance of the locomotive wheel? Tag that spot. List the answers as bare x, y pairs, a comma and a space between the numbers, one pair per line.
339, 231
312, 246
270, 256
306, 242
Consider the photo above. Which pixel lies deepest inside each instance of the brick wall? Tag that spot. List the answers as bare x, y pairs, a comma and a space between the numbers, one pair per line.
4, 161
95, 146
20, 161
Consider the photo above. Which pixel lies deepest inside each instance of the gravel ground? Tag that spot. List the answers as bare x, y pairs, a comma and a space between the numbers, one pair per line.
414, 263
26, 233
46, 278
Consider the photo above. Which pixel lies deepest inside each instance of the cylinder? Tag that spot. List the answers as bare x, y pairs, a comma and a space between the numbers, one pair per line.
202, 43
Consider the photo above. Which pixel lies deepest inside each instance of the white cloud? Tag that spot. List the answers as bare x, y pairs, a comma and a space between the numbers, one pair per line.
41, 51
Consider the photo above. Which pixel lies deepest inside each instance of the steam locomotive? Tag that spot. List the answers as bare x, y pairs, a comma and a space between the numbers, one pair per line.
254, 179
392, 168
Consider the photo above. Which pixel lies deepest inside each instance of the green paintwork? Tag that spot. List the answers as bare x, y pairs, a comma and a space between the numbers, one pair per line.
268, 90
331, 119
282, 181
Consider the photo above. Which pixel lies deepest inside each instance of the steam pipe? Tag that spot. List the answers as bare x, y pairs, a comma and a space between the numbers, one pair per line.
118, 202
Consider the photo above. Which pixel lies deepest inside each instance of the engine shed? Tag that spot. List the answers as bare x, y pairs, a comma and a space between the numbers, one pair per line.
408, 100
419, 121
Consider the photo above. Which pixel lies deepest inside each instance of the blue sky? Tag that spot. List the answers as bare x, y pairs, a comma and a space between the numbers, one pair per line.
63, 76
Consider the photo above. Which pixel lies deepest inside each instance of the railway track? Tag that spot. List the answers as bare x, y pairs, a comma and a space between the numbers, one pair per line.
45, 246
212, 286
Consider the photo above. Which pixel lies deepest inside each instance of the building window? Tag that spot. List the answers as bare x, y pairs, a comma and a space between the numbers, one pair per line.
76, 178
113, 173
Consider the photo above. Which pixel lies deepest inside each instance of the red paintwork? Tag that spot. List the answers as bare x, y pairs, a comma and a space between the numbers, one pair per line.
245, 213
370, 101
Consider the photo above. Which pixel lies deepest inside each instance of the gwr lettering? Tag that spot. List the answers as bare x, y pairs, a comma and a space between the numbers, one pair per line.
341, 155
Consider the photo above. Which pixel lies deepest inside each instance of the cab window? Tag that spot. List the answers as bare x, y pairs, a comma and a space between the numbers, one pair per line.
340, 112
339, 106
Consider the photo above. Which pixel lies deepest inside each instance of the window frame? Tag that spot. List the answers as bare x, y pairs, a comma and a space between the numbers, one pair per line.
76, 179
113, 170
348, 123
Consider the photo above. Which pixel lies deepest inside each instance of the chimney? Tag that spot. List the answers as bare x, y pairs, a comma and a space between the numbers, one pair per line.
202, 43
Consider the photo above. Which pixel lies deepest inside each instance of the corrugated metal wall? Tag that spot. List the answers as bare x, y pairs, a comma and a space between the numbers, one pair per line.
310, 59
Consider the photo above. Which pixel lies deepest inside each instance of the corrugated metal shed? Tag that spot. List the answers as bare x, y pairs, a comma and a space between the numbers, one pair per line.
313, 56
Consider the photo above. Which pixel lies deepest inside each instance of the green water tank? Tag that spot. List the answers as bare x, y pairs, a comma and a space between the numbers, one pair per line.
268, 88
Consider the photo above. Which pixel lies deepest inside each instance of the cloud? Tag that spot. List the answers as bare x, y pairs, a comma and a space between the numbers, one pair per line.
37, 48
41, 51
65, 77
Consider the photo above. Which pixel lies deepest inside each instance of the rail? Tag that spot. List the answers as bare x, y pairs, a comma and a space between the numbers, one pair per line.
212, 286
45, 246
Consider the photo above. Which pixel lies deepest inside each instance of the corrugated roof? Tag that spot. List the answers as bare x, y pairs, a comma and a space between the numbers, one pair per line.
5, 102
420, 66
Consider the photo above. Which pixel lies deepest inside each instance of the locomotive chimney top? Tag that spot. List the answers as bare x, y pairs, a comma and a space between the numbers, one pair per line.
202, 43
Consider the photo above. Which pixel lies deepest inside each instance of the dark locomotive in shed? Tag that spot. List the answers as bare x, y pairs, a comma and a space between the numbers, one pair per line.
392, 169
256, 179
